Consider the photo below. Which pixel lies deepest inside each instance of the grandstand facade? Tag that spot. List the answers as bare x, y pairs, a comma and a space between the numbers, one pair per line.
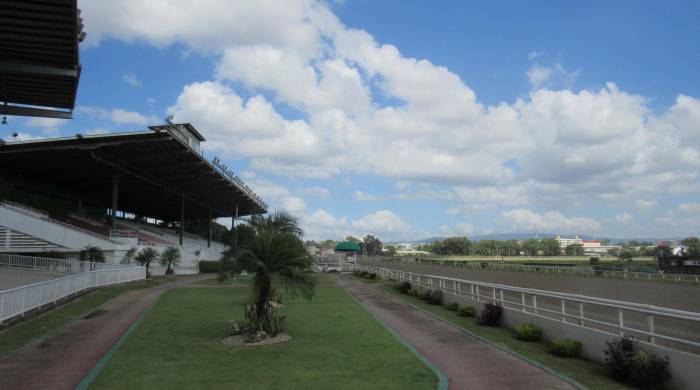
117, 192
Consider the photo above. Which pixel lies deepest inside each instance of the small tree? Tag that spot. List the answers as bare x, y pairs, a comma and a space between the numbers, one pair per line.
145, 257
92, 254
170, 257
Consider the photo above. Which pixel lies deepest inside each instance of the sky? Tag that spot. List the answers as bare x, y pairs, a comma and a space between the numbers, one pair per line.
412, 119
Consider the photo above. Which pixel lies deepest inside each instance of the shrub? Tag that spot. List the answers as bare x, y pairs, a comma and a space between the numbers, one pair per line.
467, 311
92, 254
528, 332
594, 261
415, 292
491, 315
618, 358
565, 347
373, 276
426, 295
436, 297
364, 274
403, 287
209, 267
453, 306
637, 367
649, 372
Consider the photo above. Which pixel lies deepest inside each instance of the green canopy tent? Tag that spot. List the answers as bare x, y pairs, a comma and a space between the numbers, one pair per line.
350, 249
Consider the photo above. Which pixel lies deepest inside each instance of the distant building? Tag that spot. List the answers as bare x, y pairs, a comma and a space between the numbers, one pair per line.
564, 242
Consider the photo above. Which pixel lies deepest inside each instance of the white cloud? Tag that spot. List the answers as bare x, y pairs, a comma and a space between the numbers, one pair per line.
550, 76
131, 79
550, 221
533, 54
49, 126
645, 205
383, 221
117, 115
623, 217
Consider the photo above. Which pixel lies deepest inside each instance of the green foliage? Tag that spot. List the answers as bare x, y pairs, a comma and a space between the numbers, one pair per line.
279, 260
435, 297
565, 347
452, 306
626, 364
92, 254
466, 311
550, 247
491, 315
209, 267
594, 261
170, 258
145, 257
528, 332
372, 246
574, 250
692, 245
403, 287
391, 250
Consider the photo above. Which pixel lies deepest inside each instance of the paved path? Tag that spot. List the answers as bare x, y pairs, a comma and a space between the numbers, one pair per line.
62, 360
468, 363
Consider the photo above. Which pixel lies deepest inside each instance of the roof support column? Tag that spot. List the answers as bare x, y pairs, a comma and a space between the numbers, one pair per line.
209, 235
182, 217
115, 199
235, 229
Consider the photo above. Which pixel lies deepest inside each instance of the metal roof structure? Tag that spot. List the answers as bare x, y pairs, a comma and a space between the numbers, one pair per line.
347, 246
159, 173
39, 57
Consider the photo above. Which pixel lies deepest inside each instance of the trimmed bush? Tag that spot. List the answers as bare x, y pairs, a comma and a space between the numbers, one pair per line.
426, 295
373, 276
403, 287
528, 332
453, 306
209, 267
466, 311
435, 298
364, 274
636, 367
566, 348
491, 315
594, 260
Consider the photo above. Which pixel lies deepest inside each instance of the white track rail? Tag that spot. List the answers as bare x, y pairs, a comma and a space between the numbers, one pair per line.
18, 301
681, 328
56, 265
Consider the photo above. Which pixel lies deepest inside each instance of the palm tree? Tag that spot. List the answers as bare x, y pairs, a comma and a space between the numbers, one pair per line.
145, 257
276, 254
170, 257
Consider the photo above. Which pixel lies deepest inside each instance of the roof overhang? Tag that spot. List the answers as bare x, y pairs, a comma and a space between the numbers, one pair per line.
157, 172
39, 62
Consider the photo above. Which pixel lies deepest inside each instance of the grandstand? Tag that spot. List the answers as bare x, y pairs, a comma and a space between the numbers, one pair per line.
117, 192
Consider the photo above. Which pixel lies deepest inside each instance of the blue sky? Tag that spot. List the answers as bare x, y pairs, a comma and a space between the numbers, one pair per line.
415, 119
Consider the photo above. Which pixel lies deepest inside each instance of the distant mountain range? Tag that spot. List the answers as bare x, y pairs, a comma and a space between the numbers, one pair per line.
525, 236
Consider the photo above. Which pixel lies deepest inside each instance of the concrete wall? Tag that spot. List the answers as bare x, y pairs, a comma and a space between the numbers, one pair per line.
685, 367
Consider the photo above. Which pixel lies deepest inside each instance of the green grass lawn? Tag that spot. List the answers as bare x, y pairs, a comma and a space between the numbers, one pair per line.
12, 339
335, 345
240, 281
586, 372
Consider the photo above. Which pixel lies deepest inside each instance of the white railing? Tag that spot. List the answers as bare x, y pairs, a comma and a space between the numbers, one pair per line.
651, 324
17, 301
48, 264
339, 267
562, 270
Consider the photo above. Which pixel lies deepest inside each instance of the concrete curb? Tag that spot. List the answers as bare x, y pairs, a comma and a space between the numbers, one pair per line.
95, 371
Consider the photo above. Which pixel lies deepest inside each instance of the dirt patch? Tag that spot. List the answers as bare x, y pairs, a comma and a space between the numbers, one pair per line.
239, 340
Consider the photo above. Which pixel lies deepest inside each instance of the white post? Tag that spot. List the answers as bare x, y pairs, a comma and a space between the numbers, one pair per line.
534, 304
620, 322
650, 322
501, 291
580, 313
563, 310
478, 298
522, 298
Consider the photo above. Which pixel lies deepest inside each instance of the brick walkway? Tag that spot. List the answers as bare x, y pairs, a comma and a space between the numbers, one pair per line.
468, 363
62, 360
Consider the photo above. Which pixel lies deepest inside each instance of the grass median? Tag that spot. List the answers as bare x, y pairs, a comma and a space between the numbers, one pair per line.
588, 373
16, 337
335, 344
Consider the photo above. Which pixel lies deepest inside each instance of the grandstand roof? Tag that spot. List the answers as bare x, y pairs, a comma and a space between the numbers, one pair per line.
156, 168
39, 59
